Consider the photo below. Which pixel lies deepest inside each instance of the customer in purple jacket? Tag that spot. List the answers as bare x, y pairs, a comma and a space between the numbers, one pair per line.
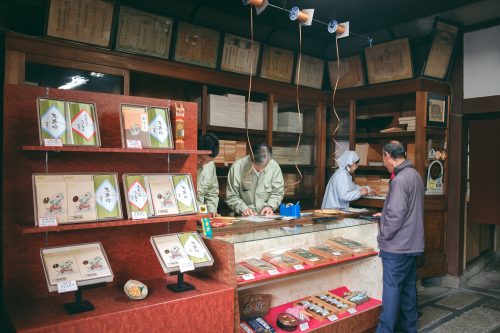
400, 240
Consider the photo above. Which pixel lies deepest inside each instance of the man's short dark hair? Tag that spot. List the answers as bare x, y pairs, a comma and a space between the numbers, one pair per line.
261, 153
395, 149
209, 141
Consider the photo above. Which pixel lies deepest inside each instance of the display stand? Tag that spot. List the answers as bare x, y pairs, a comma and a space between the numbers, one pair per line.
28, 304
180, 286
79, 305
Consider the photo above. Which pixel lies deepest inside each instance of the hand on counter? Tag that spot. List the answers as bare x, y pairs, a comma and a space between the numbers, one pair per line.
377, 215
266, 211
248, 212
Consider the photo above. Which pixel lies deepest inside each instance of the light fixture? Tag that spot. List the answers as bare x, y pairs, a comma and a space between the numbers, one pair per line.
75, 82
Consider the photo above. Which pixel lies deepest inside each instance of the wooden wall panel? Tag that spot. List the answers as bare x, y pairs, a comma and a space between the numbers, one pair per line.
484, 138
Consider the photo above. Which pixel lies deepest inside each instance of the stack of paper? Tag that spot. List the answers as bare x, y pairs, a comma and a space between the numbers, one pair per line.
410, 121
228, 111
286, 155
241, 149
230, 151
289, 122
257, 115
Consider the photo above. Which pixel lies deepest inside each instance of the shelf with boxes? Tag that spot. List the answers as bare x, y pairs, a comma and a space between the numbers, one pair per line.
403, 111
283, 260
224, 114
28, 303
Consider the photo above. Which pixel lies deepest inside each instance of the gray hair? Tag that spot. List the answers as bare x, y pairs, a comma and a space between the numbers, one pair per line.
395, 149
262, 153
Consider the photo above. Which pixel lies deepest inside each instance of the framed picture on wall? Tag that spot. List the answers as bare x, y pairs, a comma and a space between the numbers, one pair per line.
437, 110
389, 61
441, 51
85, 21
238, 54
311, 72
351, 72
277, 64
143, 33
197, 45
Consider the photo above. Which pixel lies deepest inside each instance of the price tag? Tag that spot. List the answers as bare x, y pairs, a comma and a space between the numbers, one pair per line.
52, 142
248, 277
47, 221
66, 286
304, 326
273, 272
336, 253
357, 250
333, 318
298, 267
314, 259
352, 310
186, 265
139, 216
135, 144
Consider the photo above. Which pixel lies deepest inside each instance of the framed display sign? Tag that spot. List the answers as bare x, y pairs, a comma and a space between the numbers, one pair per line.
146, 127
67, 123
351, 72
83, 263
277, 64
237, 55
75, 198
173, 249
311, 72
86, 21
390, 61
143, 33
437, 110
439, 59
197, 45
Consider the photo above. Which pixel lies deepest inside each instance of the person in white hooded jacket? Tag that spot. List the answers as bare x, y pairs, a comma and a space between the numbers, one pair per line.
341, 189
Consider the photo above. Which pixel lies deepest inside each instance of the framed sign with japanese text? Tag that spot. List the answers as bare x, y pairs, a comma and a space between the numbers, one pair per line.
85, 21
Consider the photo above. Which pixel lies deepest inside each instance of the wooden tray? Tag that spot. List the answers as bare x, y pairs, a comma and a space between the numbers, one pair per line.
332, 305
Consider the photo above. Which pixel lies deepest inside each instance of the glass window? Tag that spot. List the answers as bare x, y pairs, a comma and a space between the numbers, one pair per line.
65, 78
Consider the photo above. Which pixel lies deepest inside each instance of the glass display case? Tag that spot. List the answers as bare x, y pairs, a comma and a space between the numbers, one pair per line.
255, 259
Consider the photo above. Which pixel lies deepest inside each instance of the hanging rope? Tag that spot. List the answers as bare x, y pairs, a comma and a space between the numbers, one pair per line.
335, 143
298, 105
247, 108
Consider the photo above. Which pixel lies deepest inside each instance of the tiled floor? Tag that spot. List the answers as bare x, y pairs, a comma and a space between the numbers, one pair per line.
474, 308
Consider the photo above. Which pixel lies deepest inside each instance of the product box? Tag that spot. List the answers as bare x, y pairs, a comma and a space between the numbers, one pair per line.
84, 263
172, 248
74, 123
307, 257
76, 197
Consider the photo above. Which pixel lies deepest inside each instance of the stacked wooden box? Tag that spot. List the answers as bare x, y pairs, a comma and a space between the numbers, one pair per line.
286, 155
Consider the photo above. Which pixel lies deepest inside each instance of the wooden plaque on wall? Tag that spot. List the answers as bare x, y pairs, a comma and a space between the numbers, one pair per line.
390, 61
443, 43
143, 33
351, 72
197, 45
311, 72
238, 54
277, 64
86, 21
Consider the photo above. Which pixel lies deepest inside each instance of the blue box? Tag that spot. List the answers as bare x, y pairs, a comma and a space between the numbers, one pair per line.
290, 210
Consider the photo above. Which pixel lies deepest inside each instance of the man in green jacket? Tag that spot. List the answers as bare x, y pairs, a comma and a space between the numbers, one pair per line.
255, 186
207, 186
